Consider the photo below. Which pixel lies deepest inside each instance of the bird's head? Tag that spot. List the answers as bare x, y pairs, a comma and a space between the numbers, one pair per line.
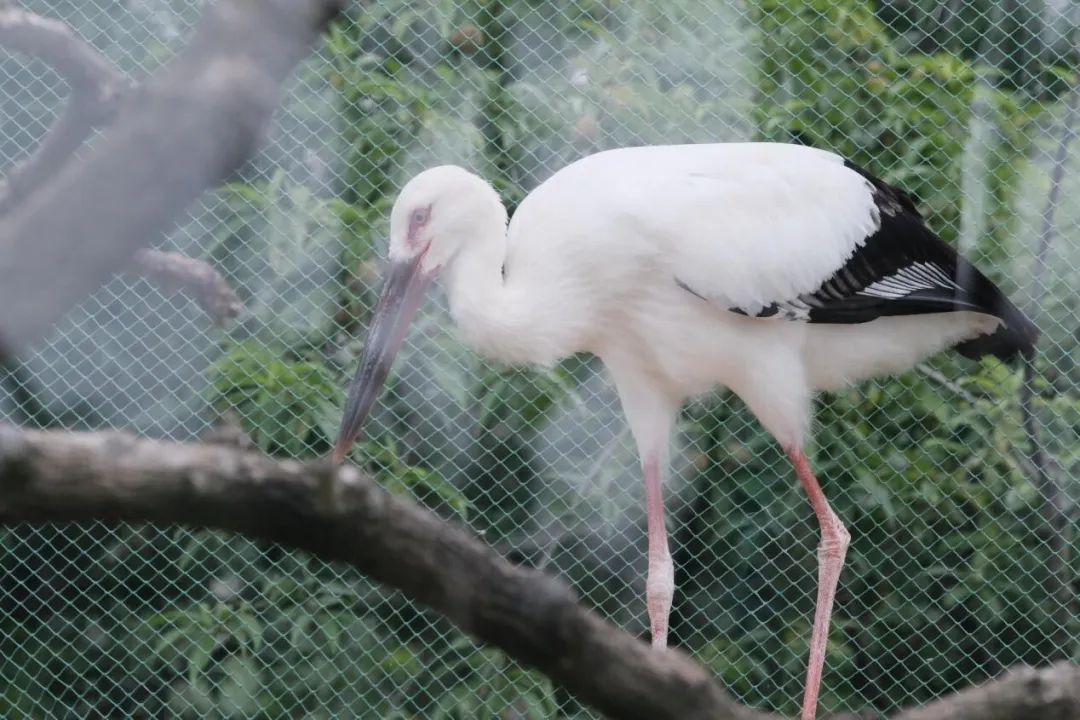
436, 214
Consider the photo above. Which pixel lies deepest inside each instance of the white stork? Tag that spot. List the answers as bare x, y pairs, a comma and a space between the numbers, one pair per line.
774, 270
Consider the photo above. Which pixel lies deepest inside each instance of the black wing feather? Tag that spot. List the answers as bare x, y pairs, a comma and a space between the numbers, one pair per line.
905, 269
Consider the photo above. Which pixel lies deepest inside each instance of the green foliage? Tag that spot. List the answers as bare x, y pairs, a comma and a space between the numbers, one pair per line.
277, 243
202, 624
948, 578
834, 79
383, 460
520, 399
287, 406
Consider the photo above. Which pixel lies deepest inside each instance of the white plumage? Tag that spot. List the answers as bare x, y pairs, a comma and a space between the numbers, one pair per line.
774, 270
741, 223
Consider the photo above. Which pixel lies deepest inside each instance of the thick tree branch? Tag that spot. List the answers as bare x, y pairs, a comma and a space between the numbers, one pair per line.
196, 122
172, 271
340, 514
337, 513
97, 89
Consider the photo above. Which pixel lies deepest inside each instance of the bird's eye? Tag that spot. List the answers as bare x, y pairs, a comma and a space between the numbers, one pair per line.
420, 216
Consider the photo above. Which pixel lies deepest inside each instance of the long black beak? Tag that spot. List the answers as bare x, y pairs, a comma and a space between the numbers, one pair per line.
403, 289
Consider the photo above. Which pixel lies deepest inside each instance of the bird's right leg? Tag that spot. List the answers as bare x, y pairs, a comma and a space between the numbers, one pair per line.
777, 392
660, 583
831, 552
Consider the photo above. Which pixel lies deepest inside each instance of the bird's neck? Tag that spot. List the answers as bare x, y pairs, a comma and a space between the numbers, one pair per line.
506, 319
481, 304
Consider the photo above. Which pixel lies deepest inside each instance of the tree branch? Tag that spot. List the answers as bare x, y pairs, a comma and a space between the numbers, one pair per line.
1051, 693
172, 271
339, 514
97, 90
196, 122
955, 388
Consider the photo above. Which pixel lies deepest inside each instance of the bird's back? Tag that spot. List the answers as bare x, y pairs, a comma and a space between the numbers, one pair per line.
753, 229
746, 222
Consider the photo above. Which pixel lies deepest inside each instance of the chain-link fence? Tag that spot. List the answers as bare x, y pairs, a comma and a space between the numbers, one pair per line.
960, 564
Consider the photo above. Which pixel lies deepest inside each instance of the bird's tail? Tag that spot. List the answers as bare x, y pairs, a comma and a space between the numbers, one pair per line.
1015, 337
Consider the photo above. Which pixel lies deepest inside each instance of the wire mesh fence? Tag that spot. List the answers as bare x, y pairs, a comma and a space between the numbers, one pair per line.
963, 560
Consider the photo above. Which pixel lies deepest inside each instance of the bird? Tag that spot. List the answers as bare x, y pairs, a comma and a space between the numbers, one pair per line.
775, 270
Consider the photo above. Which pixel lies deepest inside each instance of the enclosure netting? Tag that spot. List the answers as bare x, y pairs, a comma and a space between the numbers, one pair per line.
960, 563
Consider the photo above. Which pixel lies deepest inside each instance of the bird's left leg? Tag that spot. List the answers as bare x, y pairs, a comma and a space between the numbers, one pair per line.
651, 414
831, 552
660, 583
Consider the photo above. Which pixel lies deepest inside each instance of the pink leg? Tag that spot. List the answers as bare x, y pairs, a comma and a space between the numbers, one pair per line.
660, 584
831, 551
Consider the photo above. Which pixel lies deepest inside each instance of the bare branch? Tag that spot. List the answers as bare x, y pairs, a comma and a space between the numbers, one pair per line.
196, 122
97, 89
339, 514
953, 387
172, 271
